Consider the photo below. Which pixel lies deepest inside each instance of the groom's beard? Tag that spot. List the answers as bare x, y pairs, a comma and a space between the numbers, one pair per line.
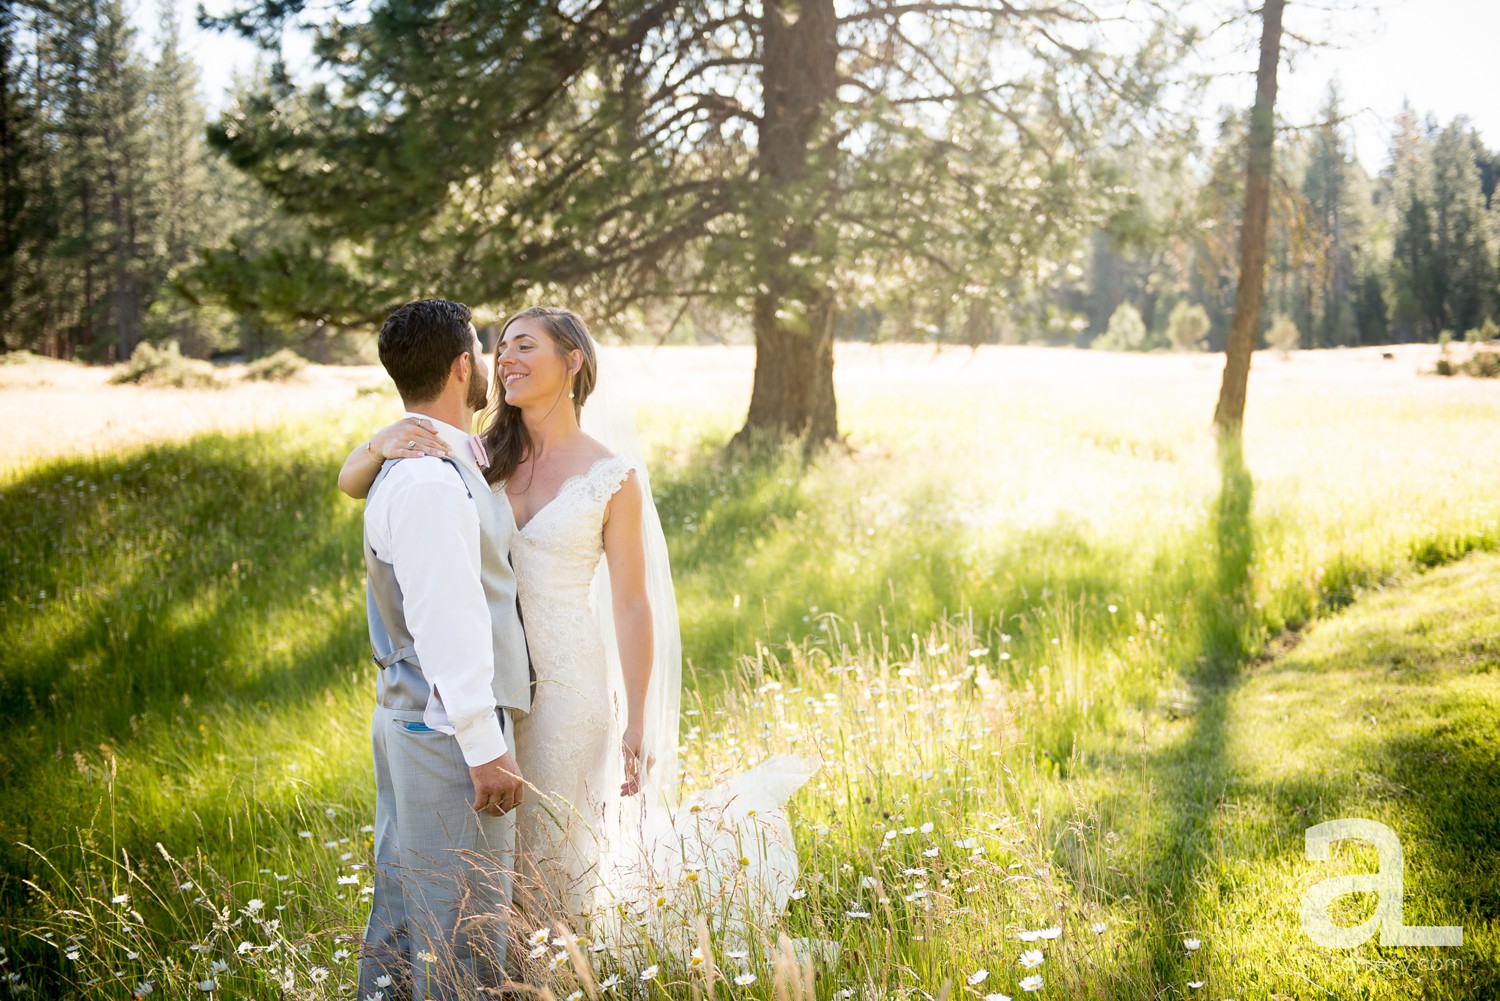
479, 386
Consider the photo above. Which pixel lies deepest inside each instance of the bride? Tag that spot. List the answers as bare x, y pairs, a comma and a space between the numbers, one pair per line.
603, 846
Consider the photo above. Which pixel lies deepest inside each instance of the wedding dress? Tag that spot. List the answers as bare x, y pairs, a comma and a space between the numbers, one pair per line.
633, 874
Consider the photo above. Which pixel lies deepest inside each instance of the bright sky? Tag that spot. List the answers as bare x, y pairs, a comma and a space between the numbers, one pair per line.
1438, 54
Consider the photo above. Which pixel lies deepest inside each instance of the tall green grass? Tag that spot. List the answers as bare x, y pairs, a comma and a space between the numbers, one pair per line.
1016, 610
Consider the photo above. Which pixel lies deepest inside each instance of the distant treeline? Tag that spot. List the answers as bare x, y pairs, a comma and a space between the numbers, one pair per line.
108, 188
1403, 256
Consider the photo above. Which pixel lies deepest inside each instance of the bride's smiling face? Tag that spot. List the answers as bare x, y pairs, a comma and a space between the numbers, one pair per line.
532, 367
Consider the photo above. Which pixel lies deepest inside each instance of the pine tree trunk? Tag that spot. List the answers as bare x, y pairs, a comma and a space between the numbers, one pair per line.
794, 307
1229, 416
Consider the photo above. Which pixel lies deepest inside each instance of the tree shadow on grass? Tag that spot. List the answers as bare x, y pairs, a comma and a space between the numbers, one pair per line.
188, 584
1439, 788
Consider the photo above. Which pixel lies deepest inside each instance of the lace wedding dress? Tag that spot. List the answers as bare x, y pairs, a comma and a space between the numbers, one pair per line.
623, 871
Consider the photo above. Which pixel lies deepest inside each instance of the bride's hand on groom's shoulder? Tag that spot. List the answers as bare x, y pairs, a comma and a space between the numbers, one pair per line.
408, 438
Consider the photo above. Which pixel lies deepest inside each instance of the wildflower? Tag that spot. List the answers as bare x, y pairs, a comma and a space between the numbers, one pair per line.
244, 948
330, 813
382, 981
1049, 933
797, 894
648, 972
376, 996
857, 914
926, 828
121, 898
738, 954
1191, 944
745, 979
348, 880
575, 996
184, 887
537, 951
1195, 984
341, 955
558, 959
253, 905
1031, 958
304, 834
144, 989
931, 852
426, 957
318, 974
1099, 927
72, 955
200, 948
979, 651
208, 986
978, 977
1031, 983
997, 997
611, 983
908, 830
217, 967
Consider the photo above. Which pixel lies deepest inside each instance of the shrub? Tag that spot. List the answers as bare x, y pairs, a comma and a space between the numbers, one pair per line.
277, 367
1127, 331
1283, 335
1484, 364
1187, 327
150, 365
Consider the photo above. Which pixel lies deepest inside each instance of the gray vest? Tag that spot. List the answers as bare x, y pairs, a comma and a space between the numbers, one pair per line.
401, 684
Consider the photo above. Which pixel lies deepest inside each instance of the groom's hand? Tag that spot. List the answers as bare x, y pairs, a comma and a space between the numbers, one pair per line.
497, 785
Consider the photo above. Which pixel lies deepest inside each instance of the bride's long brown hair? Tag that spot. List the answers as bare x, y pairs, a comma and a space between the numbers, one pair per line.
505, 437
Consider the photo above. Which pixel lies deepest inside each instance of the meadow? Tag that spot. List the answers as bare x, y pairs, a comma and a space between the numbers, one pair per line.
1077, 682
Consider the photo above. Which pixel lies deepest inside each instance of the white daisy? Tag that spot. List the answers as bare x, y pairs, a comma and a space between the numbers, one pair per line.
1031, 983
611, 983
382, 981
978, 977
745, 979
121, 898
649, 972
1099, 927
208, 986
318, 974
1049, 933
1195, 984
1031, 958
1191, 944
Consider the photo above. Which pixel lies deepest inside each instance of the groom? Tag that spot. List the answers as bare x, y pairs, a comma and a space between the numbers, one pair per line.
453, 666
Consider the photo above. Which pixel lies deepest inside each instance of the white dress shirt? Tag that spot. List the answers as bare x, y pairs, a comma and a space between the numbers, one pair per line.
423, 523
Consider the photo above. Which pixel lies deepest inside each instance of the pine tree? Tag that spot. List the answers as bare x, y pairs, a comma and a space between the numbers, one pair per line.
1416, 292
1461, 240
179, 176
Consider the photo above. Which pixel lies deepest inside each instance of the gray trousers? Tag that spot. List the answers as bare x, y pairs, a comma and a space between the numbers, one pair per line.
437, 925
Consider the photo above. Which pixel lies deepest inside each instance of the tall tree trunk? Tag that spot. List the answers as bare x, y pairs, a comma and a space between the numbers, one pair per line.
1229, 416
794, 305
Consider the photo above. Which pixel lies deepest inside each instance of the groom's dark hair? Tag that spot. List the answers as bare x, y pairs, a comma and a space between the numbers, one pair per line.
418, 343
